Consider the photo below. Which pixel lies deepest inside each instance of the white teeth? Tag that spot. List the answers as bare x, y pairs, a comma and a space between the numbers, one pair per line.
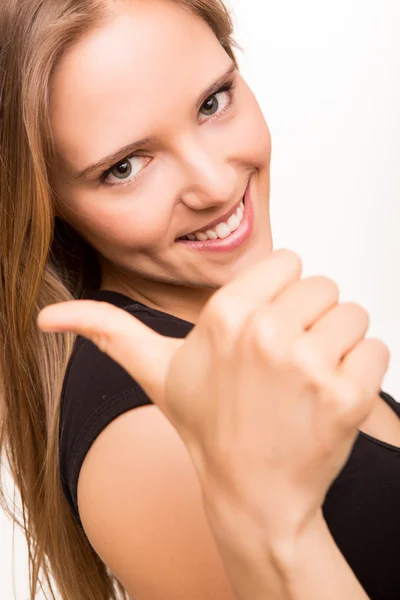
222, 231
233, 223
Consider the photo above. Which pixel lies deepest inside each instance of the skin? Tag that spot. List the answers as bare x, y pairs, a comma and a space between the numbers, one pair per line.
195, 171
116, 86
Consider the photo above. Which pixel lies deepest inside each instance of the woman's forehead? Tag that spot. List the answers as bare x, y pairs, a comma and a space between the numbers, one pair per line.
131, 77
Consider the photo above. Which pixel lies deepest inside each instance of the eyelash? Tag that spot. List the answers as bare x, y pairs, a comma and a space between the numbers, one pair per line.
228, 87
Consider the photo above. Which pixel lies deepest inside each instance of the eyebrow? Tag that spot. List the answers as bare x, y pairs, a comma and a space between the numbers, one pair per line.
120, 154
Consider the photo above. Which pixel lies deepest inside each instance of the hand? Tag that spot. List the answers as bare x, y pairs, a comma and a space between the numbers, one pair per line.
267, 390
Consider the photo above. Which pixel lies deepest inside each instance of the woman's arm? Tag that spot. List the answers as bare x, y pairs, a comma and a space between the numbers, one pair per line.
267, 392
307, 566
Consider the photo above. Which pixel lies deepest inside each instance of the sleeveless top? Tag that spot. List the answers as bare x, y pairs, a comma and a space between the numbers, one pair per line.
362, 506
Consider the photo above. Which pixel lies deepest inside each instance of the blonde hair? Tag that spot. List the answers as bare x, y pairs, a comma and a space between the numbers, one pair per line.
43, 261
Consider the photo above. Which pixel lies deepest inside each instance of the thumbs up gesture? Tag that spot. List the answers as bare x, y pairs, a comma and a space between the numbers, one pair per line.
268, 389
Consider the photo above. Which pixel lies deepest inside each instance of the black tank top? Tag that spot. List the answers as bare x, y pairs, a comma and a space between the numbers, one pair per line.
362, 507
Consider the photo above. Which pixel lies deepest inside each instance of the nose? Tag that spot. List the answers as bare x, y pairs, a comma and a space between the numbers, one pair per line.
209, 178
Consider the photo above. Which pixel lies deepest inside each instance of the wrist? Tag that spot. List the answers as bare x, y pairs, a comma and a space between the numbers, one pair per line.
263, 563
275, 554
290, 552
279, 523
311, 565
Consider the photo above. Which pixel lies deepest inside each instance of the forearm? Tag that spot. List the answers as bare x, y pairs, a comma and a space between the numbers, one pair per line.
316, 568
306, 567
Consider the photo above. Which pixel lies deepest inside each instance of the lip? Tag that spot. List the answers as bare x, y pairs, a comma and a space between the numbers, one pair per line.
236, 238
216, 222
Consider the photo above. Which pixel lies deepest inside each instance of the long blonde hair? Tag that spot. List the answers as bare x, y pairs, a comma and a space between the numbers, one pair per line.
43, 261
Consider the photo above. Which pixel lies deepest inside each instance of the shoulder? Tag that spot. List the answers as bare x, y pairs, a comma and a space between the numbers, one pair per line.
140, 504
94, 379
140, 501
96, 391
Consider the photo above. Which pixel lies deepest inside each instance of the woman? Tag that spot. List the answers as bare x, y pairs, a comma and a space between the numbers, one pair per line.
125, 126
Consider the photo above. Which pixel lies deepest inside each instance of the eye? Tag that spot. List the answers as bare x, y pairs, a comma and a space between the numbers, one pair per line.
125, 171
218, 102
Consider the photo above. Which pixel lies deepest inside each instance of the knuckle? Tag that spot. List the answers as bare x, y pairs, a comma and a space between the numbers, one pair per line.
217, 304
101, 341
103, 337
327, 285
222, 318
307, 357
109, 315
359, 311
376, 353
291, 259
381, 349
264, 331
215, 308
349, 393
350, 402
105, 309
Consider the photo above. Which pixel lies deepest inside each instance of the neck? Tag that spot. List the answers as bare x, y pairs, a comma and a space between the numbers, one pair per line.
183, 302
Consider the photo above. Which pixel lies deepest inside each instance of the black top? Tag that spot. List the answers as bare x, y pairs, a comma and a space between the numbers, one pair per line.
361, 507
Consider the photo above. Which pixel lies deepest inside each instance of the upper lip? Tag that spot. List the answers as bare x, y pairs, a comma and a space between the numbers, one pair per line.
217, 221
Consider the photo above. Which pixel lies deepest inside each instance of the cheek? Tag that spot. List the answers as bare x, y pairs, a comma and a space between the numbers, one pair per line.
140, 230
120, 221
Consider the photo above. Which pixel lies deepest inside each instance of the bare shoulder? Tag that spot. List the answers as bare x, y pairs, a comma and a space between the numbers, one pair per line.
141, 507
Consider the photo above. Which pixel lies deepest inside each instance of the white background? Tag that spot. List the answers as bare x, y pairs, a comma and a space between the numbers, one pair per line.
327, 77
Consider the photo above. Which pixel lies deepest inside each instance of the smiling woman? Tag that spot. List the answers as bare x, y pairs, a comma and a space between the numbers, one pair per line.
169, 158
135, 172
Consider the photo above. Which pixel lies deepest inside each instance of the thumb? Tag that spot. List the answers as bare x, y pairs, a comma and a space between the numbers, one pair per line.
142, 352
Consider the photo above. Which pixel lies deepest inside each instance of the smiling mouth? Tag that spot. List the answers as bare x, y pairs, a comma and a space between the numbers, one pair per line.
219, 228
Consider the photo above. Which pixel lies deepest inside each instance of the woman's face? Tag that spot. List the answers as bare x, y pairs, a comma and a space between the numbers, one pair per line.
141, 91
